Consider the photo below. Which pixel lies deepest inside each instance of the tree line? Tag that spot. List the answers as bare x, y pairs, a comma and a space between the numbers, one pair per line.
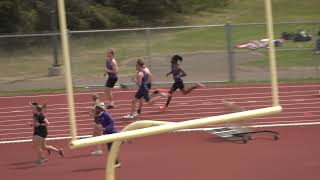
22, 16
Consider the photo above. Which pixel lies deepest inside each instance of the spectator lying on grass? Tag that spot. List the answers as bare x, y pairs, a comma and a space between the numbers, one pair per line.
263, 43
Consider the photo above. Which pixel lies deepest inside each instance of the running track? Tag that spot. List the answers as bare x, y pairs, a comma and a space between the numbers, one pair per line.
294, 156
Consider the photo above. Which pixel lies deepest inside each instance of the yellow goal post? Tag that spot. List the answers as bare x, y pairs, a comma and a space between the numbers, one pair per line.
148, 128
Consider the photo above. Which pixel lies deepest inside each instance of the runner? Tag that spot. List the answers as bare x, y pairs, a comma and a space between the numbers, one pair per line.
111, 71
40, 123
143, 81
177, 73
106, 124
149, 85
96, 129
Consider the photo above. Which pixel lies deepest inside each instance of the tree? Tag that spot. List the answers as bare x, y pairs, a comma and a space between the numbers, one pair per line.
34, 15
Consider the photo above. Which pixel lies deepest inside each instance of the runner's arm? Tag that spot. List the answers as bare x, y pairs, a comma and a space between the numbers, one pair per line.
46, 123
139, 76
182, 73
169, 73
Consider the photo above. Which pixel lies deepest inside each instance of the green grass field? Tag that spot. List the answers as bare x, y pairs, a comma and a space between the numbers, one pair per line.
87, 50
287, 59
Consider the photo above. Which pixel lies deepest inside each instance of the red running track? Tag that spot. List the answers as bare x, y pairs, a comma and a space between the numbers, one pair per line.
299, 101
173, 156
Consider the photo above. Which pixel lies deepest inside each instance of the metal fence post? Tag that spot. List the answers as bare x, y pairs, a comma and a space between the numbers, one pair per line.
70, 42
54, 39
70, 56
55, 69
231, 63
148, 44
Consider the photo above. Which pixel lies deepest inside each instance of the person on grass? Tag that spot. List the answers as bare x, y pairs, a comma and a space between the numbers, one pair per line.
106, 125
143, 81
111, 71
96, 129
177, 74
40, 123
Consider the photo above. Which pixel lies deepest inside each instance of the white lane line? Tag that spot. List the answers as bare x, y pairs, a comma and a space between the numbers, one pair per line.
304, 86
66, 136
216, 107
183, 99
89, 126
152, 110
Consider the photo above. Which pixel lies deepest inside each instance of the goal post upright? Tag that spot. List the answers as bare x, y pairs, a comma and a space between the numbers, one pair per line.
67, 67
272, 54
144, 127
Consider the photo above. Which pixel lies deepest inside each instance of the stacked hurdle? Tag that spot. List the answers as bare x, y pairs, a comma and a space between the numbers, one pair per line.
238, 132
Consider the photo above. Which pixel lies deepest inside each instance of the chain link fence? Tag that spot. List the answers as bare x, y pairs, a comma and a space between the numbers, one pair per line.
211, 53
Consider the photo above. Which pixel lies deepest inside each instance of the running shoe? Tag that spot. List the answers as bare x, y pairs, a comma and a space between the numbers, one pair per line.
44, 159
117, 165
61, 152
97, 152
200, 86
129, 116
163, 108
39, 162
